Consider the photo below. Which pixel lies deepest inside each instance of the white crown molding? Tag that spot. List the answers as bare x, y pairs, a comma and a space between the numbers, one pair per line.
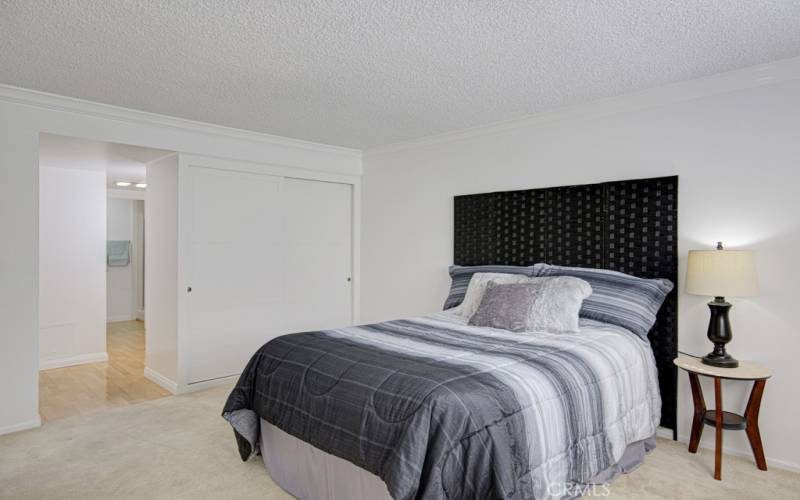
56, 102
755, 76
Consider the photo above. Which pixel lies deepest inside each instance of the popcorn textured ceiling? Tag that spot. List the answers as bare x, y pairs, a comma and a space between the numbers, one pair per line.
363, 73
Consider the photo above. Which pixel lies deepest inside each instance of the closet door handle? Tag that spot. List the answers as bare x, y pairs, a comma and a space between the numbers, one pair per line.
349, 279
188, 289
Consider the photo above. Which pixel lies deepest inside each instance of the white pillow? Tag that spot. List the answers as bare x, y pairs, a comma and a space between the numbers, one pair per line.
477, 287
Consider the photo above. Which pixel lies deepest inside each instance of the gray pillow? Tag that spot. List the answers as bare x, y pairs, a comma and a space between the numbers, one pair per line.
617, 298
461, 276
539, 304
477, 287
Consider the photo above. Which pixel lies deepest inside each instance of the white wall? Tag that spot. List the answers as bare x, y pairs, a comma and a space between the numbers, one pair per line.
23, 115
737, 153
72, 277
161, 272
119, 282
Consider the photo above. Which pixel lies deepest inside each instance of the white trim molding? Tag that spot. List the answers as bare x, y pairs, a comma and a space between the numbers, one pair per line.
22, 426
664, 433
745, 454
56, 102
161, 380
162, 157
772, 73
205, 384
81, 359
264, 168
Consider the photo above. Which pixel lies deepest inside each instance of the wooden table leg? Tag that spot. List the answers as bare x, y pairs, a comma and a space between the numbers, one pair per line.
751, 416
699, 411
718, 415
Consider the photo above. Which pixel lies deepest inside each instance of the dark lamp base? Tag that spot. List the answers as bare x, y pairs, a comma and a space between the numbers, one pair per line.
720, 333
724, 360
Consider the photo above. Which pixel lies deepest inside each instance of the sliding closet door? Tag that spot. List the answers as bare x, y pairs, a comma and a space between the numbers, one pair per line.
236, 270
318, 234
266, 256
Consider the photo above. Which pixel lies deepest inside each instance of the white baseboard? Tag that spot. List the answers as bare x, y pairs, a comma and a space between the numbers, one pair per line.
161, 380
205, 384
118, 319
22, 426
665, 433
746, 454
140, 315
81, 359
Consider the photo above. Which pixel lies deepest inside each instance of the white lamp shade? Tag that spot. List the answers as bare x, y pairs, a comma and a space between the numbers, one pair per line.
722, 273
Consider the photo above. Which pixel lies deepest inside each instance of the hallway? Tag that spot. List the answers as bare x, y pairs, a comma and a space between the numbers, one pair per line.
84, 389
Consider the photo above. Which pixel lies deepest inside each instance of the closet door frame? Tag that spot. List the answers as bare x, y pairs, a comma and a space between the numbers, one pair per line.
186, 162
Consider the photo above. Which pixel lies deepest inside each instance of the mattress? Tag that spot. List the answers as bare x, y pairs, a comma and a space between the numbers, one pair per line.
437, 408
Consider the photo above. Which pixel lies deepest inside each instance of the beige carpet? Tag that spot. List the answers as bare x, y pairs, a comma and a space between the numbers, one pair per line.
179, 447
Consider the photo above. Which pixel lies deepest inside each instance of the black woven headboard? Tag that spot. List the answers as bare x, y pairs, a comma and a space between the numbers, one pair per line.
628, 226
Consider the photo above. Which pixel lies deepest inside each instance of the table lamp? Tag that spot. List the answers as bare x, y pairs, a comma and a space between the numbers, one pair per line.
721, 273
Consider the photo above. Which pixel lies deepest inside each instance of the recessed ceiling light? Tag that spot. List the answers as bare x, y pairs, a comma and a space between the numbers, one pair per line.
141, 185
122, 183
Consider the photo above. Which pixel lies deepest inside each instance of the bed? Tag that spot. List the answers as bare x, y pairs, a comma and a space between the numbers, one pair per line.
433, 407
430, 404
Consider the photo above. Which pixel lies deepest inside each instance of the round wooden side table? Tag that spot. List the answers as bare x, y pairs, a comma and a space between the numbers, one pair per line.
724, 419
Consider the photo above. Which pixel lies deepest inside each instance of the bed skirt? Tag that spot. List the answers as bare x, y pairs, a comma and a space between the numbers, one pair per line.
309, 473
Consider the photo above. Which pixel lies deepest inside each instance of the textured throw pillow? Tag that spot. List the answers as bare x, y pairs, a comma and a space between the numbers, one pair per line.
477, 287
536, 305
617, 298
461, 275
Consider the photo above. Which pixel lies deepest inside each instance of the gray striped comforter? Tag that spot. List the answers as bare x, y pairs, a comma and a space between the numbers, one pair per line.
440, 409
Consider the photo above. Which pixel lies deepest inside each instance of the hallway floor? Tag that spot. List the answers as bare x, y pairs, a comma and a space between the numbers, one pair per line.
84, 389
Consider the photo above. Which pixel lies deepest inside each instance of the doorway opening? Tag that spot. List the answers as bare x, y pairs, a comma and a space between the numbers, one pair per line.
92, 276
